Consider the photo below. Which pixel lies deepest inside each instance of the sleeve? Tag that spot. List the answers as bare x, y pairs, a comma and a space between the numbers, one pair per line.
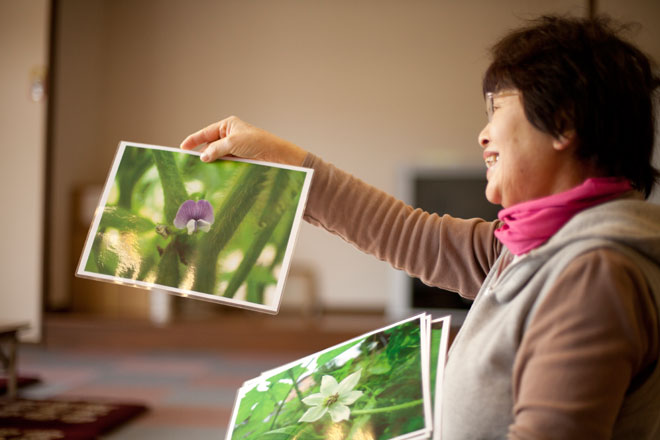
442, 251
593, 336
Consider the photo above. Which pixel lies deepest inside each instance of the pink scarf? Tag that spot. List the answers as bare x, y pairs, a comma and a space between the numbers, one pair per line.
528, 225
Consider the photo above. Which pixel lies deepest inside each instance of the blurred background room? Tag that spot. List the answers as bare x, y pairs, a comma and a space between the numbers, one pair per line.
388, 90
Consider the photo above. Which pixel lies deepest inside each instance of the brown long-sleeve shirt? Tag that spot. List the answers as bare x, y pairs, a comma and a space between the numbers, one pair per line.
593, 338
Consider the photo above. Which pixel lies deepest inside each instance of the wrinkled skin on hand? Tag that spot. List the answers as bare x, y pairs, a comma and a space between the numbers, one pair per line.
235, 137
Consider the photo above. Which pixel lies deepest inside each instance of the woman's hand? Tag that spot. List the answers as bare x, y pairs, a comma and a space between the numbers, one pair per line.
234, 137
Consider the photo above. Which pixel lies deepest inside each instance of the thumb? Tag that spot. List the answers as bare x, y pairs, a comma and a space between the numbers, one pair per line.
216, 150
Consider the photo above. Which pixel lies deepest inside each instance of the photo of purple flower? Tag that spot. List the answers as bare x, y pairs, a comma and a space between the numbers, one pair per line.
222, 231
194, 216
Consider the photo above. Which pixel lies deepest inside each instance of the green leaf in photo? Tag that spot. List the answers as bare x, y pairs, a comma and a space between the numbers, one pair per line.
124, 220
331, 355
381, 366
174, 191
436, 337
285, 433
106, 260
168, 268
248, 402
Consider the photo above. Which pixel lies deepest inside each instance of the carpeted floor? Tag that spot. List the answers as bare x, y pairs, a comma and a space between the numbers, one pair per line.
186, 374
189, 394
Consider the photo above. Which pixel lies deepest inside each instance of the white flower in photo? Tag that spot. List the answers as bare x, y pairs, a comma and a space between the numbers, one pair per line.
334, 399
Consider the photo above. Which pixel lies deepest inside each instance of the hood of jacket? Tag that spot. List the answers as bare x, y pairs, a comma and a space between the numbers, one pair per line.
630, 223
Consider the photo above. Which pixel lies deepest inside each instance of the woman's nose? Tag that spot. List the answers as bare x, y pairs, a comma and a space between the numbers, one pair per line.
484, 137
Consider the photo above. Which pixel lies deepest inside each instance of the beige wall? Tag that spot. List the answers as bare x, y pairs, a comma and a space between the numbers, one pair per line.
78, 154
646, 13
371, 86
24, 30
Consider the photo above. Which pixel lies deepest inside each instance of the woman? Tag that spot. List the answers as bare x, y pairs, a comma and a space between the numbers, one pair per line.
562, 340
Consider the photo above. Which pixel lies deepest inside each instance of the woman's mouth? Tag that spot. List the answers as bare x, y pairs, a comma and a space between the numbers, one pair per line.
491, 160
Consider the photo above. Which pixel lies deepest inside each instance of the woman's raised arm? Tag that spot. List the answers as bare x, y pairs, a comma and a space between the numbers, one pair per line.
234, 137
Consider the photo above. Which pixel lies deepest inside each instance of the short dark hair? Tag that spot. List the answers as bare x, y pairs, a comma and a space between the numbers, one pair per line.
580, 74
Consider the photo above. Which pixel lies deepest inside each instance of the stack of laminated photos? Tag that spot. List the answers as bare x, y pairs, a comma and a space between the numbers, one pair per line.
383, 385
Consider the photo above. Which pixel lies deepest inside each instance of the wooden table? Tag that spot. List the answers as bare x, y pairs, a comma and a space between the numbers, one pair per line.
8, 342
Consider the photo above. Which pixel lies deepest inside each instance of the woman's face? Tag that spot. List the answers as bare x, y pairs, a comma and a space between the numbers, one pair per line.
523, 162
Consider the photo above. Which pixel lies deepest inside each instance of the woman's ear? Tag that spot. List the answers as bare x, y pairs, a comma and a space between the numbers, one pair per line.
564, 141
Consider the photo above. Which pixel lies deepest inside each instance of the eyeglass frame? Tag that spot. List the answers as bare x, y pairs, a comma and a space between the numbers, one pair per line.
490, 102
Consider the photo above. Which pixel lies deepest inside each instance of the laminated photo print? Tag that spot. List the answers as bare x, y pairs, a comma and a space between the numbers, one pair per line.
222, 232
373, 386
439, 336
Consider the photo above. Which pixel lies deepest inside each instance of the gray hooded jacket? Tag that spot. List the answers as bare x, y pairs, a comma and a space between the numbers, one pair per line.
477, 390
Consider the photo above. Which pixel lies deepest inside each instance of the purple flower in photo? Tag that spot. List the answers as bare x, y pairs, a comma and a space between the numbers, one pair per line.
194, 216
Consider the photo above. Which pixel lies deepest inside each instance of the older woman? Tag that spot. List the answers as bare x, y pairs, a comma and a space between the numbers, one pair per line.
562, 340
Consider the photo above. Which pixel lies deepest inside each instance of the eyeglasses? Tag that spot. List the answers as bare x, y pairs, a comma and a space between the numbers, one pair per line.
490, 102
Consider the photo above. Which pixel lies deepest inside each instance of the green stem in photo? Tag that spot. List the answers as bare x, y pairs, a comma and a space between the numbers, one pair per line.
148, 262
411, 404
227, 219
174, 191
135, 162
168, 268
255, 291
294, 386
283, 232
283, 238
268, 221
281, 235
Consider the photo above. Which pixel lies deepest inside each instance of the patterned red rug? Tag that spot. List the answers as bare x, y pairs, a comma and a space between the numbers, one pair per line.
62, 419
21, 381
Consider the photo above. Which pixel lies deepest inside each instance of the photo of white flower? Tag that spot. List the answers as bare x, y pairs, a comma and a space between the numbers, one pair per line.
372, 387
333, 399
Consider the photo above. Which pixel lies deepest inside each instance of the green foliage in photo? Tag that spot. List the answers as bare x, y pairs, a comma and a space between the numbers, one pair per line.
436, 338
376, 379
219, 228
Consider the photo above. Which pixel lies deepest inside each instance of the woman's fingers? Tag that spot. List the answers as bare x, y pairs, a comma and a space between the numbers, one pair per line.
233, 137
205, 135
211, 133
216, 150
